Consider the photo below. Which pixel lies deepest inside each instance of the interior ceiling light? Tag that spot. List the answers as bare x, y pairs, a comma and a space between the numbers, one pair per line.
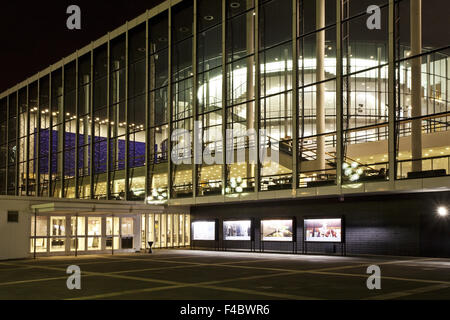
184, 29
209, 18
235, 5
162, 39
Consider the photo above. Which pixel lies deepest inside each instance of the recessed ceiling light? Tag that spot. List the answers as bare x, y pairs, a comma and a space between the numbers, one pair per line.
209, 18
162, 39
183, 29
235, 5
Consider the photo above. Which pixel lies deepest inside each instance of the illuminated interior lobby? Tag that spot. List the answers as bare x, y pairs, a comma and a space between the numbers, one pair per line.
350, 111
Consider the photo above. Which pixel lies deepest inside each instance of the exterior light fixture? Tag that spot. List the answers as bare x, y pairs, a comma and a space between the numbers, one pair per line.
442, 211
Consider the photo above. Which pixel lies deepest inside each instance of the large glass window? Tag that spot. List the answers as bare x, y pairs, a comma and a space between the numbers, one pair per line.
240, 96
158, 131
422, 81
209, 96
365, 109
118, 123
182, 100
56, 136
137, 112
101, 122
276, 93
69, 131
44, 137
317, 94
85, 126
12, 146
23, 141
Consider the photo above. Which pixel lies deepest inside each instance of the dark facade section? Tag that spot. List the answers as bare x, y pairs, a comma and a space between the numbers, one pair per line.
403, 225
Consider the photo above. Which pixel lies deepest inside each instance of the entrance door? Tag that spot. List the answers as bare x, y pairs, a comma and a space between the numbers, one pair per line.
78, 234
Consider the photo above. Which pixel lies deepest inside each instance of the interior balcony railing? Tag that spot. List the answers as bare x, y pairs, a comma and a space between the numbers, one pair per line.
431, 167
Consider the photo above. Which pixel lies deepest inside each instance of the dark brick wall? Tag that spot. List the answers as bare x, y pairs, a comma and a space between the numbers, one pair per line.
402, 224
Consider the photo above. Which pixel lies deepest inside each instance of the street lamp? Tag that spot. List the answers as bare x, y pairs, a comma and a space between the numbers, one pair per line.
442, 211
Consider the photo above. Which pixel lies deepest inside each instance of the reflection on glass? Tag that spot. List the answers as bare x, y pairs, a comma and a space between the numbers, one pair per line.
41, 226
277, 230
204, 231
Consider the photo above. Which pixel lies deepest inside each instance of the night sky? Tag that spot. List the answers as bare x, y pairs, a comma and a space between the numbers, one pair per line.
33, 34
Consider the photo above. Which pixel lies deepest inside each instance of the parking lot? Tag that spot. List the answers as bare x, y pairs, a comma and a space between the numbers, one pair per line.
198, 275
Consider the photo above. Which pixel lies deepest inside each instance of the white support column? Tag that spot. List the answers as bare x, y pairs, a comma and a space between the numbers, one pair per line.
320, 76
416, 83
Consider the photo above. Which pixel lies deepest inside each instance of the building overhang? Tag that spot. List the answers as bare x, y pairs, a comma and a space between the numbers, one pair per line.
62, 207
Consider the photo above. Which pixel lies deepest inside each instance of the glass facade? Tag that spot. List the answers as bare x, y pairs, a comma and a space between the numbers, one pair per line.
165, 230
340, 104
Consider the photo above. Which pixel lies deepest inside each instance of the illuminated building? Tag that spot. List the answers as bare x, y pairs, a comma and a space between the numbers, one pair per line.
354, 120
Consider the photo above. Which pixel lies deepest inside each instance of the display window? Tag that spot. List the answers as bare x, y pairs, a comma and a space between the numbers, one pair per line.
323, 230
277, 230
237, 230
204, 230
